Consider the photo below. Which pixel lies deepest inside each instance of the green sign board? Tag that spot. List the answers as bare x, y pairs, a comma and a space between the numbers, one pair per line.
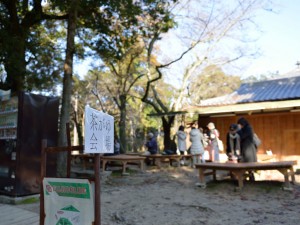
68, 201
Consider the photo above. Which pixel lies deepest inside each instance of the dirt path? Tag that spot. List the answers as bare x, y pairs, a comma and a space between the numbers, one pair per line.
170, 197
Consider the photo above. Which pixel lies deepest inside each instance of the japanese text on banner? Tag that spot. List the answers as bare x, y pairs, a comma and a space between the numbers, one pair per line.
99, 132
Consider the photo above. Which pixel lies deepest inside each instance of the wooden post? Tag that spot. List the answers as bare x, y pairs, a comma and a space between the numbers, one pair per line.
43, 174
97, 190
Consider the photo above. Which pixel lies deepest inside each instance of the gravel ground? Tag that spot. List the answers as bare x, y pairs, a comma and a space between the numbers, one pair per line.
169, 196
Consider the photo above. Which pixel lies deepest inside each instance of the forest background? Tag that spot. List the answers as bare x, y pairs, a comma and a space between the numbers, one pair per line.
148, 57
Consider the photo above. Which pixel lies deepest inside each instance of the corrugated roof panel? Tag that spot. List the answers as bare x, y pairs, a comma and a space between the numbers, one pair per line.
269, 90
294, 92
284, 90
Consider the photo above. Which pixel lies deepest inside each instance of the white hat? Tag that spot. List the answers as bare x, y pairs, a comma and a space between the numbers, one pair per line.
150, 135
211, 126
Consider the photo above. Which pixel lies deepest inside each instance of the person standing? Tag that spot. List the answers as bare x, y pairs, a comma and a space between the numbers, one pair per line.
181, 142
197, 149
233, 146
213, 135
248, 148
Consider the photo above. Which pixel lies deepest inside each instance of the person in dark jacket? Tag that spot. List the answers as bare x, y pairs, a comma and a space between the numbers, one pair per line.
233, 147
152, 148
248, 148
151, 144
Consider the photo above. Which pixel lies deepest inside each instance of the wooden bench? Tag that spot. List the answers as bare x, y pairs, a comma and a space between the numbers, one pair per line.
189, 157
158, 159
87, 160
265, 157
239, 169
124, 159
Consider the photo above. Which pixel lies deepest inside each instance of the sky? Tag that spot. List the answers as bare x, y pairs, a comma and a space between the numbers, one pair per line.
280, 40
279, 43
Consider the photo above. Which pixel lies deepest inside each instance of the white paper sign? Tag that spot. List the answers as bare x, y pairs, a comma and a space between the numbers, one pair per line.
99, 132
68, 201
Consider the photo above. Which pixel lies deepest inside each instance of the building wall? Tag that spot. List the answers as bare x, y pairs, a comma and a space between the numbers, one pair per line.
279, 131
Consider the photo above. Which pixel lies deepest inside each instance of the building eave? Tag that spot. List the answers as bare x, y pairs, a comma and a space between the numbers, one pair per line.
249, 108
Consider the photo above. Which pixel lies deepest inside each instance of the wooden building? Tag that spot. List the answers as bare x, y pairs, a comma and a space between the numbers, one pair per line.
272, 107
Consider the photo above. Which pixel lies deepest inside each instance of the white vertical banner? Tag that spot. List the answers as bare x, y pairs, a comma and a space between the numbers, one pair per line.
99, 132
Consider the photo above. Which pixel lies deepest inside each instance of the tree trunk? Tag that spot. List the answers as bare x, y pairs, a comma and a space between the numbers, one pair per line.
167, 123
122, 125
15, 64
67, 90
79, 133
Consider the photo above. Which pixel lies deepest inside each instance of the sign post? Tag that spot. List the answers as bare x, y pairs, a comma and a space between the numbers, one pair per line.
99, 138
71, 201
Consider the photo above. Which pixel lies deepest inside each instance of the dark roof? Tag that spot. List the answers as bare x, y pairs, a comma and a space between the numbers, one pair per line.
268, 90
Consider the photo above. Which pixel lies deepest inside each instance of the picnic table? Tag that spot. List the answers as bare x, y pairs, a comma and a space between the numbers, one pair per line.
239, 169
158, 159
124, 159
189, 157
87, 160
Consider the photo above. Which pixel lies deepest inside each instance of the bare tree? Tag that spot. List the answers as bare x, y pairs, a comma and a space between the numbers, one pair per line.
205, 32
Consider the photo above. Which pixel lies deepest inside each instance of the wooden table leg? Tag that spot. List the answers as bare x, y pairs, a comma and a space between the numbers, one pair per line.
202, 175
124, 166
286, 177
292, 173
240, 177
157, 162
103, 164
84, 163
214, 175
142, 164
178, 161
